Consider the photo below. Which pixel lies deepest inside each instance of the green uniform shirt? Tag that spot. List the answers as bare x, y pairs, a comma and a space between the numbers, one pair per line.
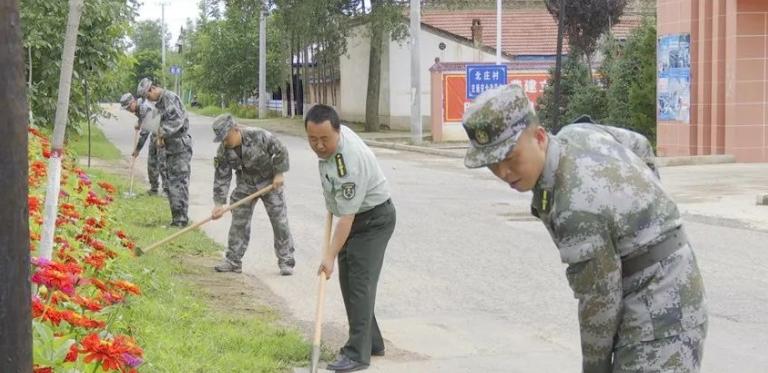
352, 179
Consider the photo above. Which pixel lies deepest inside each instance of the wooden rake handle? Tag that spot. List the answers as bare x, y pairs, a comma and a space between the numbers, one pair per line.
320, 298
245, 200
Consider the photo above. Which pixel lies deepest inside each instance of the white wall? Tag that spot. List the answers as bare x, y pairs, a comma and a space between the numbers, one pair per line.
400, 75
354, 77
395, 99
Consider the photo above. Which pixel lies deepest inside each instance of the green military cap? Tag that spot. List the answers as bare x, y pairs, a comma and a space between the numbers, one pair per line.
125, 100
494, 122
222, 125
143, 87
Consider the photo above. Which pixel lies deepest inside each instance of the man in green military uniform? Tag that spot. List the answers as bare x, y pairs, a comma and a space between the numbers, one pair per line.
596, 189
258, 159
356, 192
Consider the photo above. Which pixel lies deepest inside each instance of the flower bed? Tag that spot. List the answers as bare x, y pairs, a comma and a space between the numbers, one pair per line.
79, 293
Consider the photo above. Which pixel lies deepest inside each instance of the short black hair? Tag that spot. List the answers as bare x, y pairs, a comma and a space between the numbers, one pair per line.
320, 113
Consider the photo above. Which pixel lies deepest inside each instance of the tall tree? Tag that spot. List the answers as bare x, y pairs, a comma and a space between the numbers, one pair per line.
586, 21
100, 47
146, 36
15, 309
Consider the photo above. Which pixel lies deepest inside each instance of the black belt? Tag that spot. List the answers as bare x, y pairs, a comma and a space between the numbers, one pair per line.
671, 243
364, 213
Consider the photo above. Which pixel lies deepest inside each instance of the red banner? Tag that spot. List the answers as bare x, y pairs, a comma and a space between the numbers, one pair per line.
455, 91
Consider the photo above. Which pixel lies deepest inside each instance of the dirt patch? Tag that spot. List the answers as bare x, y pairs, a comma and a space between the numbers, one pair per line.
244, 295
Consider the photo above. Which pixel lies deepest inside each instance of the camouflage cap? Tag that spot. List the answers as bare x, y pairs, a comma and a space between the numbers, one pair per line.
494, 122
143, 87
125, 100
221, 126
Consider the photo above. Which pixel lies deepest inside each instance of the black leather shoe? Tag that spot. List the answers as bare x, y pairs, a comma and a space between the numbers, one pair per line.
344, 364
377, 352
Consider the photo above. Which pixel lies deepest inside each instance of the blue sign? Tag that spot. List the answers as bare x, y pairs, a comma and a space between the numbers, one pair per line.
175, 70
481, 78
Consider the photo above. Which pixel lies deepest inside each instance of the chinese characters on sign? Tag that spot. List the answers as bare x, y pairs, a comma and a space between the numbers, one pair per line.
481, 78
456, 90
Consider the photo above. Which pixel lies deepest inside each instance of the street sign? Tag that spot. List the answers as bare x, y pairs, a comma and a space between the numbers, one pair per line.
175, 70
481, 78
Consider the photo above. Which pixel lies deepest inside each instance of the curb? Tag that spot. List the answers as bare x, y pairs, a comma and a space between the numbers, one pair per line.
414, 148
694, 160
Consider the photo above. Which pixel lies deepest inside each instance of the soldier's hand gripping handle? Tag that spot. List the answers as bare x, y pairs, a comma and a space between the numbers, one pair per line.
218, 211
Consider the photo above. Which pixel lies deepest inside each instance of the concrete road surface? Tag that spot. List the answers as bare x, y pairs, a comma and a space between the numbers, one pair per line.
471, 282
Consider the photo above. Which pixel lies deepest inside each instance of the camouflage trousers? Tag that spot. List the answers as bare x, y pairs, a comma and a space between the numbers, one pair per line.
680, 353
178, 171
240, 230
156, 166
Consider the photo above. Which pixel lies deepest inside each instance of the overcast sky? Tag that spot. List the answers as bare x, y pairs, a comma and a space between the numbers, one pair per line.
176, 14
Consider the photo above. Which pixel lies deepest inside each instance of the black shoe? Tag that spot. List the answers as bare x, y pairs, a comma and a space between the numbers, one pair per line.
344, 364
152, 192
377, 352
179, 224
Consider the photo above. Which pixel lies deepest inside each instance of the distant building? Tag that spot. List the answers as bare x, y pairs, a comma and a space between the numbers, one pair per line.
713, 78
464, 36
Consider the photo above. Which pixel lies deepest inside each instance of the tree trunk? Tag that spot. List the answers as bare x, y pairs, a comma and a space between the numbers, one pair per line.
59, 127
374, 76
15, 309
305, 75
558, 67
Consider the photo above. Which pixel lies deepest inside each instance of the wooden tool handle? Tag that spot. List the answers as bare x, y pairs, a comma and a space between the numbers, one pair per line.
321, 282
320, 298
226, 209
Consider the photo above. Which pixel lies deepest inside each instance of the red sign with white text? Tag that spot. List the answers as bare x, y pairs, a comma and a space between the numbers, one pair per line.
455, 91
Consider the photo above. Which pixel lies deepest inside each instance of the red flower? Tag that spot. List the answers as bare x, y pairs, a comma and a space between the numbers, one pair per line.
34, 204
91, 304
96, 260
127, 286
62, 276
109, 188
46, 153
38, 369
49, 313
77, 319
72, 354
121, 234
94, 200
120, 353
34, 236
98, 245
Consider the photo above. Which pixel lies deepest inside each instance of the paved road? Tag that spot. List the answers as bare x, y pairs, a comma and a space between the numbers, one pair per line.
470, 282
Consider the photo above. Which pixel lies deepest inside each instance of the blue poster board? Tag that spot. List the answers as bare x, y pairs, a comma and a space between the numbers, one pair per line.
673, 91
481, 78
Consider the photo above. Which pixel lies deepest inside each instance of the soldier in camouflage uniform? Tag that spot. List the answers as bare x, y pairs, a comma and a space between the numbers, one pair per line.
175, 141
258, 159
155, 158
596, 189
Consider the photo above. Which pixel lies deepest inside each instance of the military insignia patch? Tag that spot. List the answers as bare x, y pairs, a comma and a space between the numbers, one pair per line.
340, 166
348, 190
481, 137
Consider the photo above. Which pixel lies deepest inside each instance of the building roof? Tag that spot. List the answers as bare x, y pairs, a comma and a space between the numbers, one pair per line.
524, 32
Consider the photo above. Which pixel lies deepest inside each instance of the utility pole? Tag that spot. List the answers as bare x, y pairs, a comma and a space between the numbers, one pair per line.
498, 32
59, 127
15, 309
263, 61
416, 136
162, 38
558, 67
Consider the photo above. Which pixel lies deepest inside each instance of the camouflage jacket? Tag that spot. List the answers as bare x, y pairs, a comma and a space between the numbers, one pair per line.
601, 200
174, 124
141, 112
263, 156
